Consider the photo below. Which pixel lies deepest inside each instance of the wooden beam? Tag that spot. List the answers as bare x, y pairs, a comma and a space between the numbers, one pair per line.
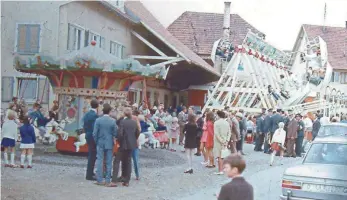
148, 43
166, 42
167, 62
152, 57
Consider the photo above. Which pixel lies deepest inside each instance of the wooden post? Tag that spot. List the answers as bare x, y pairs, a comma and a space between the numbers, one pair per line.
144, 91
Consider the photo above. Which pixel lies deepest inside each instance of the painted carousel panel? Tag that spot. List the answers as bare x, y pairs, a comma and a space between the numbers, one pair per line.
68, 110
90, 92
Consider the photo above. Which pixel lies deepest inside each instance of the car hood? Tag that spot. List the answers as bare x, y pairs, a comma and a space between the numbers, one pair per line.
337, 172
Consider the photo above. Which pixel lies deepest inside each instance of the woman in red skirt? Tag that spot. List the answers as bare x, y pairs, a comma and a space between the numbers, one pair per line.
209, 139
277, 143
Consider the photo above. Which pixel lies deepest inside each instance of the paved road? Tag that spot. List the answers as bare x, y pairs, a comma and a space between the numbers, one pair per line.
266, 180
58, 177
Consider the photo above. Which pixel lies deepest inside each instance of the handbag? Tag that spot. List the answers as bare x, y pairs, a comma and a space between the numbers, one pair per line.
225, 152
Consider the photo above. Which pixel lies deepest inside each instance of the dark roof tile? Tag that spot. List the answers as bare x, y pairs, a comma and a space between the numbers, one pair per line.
199, 30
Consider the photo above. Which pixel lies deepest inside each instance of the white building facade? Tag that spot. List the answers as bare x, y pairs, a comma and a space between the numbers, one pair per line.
55, 28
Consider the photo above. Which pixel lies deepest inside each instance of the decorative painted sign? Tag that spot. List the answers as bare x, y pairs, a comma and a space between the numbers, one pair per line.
257, 44
90, 92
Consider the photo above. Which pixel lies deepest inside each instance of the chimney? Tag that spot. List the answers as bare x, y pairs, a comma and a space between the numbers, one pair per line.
226, 21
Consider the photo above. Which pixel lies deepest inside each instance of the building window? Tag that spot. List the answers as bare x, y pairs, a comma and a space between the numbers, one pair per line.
335, 77
75, 37
28, 38
27, 88
343, 78
90, 36
117, 49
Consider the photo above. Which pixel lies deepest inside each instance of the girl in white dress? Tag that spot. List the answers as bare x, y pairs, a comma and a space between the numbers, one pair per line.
277, 143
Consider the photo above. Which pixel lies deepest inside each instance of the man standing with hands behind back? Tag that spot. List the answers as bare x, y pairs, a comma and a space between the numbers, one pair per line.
127, 137
88, 126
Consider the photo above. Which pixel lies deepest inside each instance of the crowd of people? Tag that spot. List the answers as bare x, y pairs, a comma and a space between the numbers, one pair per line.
216, 135
17, 127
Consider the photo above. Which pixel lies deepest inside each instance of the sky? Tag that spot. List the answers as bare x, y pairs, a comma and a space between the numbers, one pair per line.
280, 20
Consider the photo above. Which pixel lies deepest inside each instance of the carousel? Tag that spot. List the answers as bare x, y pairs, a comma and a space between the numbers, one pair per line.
77, 78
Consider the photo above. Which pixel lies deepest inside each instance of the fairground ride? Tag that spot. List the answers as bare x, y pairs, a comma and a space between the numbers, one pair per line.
256, 75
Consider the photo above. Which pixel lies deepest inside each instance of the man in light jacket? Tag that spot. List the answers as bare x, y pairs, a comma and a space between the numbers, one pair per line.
104, 134
235, 132
222, 136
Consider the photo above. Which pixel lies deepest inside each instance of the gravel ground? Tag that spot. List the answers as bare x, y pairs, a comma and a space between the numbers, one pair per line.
57, 177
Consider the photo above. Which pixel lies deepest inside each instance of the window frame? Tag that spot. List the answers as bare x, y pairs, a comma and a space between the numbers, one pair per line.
120, 44
343, 77
18, 88
17, 35
98, 39
82, 40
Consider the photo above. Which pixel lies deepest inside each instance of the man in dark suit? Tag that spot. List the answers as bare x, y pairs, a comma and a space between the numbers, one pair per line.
300, 139
104, 134
238, 188
88, 126
275, 120
127, 138
243, 131
259, 133
267, 128
292, 134
315, 126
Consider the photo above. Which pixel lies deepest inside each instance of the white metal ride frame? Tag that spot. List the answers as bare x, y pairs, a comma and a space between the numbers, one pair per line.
244, 83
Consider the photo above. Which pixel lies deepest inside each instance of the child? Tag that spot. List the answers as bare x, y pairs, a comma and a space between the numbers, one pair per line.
163, 138
277, 143
191, 132
173, 134
9, 134
81, 139
233, 166
161, 126
28, 141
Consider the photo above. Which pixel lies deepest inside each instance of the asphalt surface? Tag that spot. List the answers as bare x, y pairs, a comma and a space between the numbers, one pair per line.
58, 177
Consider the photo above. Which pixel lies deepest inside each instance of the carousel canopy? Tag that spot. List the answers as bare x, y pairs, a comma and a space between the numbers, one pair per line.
89, 59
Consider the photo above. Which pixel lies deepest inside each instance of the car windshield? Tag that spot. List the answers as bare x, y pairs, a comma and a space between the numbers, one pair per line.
327, 153
332, 130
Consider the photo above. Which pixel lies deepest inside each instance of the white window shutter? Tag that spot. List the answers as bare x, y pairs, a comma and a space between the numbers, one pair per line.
34, 39
7, 83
